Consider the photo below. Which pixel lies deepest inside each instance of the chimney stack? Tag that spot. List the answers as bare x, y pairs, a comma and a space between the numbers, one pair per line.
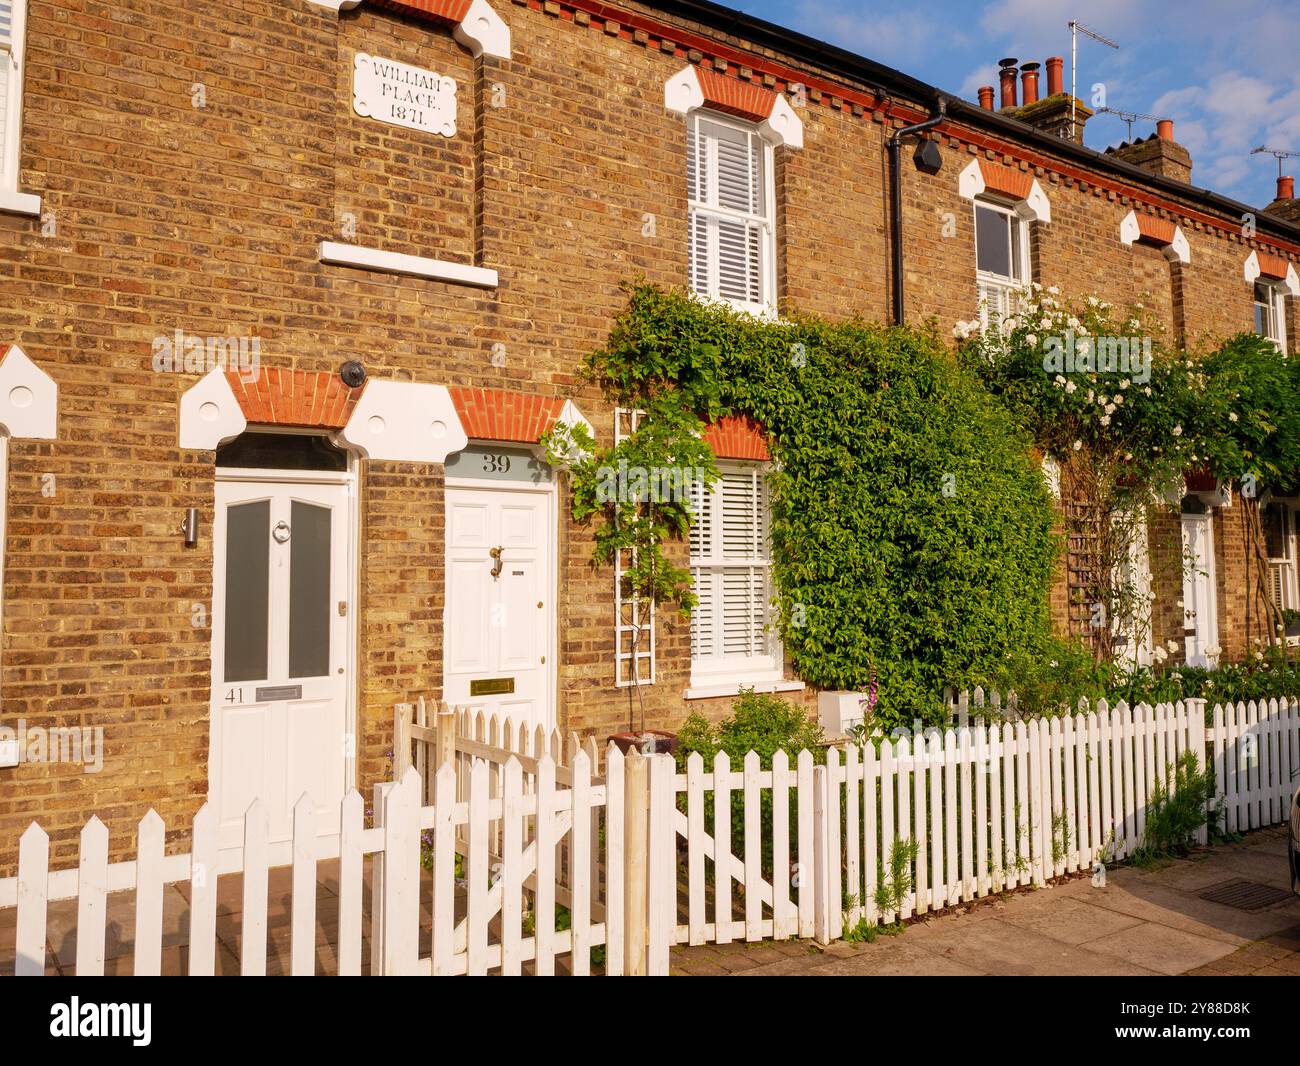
1029, 84
1286, 205
1050, 113
986, 97
1158, 153
1007, 75
1055, 75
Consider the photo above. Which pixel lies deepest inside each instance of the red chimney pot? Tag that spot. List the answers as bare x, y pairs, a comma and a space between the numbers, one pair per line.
1007, 75
1029, 83
1165, 129
1055, 75
1285, 185
986, 97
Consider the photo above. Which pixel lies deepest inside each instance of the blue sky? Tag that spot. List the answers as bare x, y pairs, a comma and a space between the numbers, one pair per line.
1225, 72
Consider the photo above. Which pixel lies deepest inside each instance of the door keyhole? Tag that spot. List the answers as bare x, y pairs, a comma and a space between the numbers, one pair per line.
497, 564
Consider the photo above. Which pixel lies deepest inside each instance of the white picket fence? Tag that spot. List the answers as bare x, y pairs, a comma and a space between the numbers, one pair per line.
638, 861
476, 921
987, 808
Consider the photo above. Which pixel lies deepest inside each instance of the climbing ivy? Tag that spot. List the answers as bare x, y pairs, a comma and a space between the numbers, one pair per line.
911, 530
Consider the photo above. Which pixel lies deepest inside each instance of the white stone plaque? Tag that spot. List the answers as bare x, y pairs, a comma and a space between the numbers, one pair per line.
403, 95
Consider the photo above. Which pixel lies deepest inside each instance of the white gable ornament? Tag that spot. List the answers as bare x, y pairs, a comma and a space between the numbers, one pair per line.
402, 95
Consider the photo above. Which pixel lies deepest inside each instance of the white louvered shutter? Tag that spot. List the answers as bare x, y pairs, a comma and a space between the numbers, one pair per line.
703, 626
730, 230
730, 567
743, 543
6, 69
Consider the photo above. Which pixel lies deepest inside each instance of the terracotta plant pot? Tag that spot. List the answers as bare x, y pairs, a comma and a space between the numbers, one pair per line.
651, 742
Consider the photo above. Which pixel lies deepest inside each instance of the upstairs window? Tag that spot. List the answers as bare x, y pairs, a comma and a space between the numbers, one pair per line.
12, 26
1270, 313
1001, 258
731, 638
732, 236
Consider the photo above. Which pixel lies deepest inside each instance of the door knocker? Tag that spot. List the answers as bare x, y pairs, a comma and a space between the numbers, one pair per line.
497, 564
281, 533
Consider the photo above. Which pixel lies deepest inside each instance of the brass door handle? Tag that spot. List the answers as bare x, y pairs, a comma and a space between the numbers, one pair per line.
495, 553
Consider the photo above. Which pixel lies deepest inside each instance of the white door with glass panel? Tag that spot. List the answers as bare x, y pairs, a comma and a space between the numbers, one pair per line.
500, 612
279, 652
1200, 600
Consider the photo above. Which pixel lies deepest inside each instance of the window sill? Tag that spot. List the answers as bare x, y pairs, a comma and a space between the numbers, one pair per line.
734, 687
418, 266
20, 203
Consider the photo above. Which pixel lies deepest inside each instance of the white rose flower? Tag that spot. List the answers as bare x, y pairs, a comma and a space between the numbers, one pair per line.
1078, 444
1178, 431
1032, 338
1232, 416
1172, 645
1105, 420
1070, 386
1110, 408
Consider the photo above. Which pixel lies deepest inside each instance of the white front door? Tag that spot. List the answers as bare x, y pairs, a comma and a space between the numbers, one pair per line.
279, 652
1200, 602
499, 623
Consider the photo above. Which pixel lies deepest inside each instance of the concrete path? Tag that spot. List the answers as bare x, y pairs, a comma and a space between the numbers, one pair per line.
1143, 922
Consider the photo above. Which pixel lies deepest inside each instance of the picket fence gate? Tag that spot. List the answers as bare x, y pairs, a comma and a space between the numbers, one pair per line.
637, 860
505, 845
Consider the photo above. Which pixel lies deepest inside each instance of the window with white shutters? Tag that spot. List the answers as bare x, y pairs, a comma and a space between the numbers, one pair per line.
730, 635
12, 21
732, 239
1281, 525
1001, 258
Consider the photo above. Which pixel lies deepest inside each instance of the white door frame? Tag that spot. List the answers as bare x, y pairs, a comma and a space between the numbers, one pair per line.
1207, 637
348, 479
547, 489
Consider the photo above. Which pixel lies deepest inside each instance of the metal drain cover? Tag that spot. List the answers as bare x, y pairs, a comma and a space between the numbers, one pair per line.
1244, 895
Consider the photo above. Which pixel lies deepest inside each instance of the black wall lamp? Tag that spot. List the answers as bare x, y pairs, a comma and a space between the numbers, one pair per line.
928, 160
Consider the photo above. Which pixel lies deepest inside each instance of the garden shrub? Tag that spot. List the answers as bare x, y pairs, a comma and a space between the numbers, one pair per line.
1173, 818
764, 724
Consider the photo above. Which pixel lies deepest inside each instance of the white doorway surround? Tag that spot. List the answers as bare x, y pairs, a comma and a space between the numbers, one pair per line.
1200, 599
499, 622
282, 645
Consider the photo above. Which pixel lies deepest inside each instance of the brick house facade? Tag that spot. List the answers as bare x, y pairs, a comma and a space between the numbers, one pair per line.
205, 170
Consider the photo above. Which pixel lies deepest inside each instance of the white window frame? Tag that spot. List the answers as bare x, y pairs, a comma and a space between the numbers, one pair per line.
11, 71
1002, 286
765, 306
719, 673
1284, 569
1274, 309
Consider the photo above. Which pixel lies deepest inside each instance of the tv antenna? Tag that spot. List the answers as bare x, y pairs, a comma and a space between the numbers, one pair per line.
1278, 153
1076, 28
1128, 117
